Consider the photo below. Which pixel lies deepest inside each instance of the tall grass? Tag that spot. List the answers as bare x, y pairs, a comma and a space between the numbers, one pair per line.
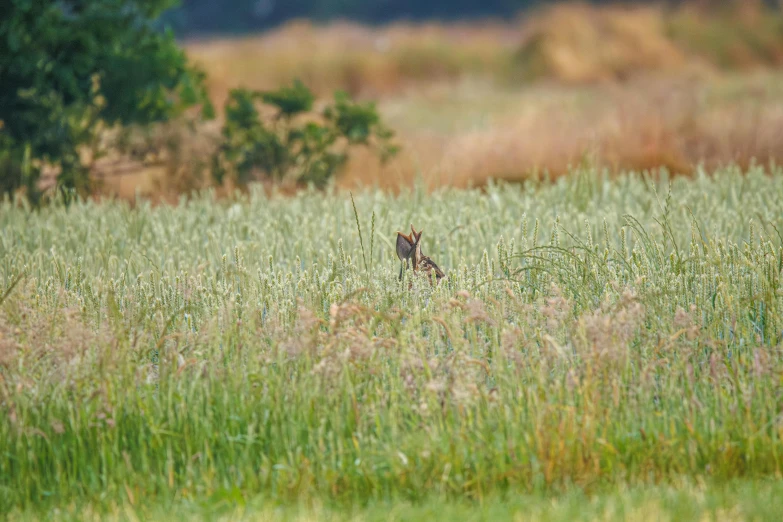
592, 333
465, 134
730, 502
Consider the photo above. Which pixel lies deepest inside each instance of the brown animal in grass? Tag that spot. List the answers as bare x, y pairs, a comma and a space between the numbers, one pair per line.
409, 248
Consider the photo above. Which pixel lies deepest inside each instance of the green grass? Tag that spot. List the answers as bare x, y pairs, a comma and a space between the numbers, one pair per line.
611, 339
737, 500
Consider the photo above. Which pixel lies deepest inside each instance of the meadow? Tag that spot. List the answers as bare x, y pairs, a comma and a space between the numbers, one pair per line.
628, 88
604, 347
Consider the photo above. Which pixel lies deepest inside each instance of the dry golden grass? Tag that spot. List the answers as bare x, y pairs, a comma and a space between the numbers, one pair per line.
571, 42
746, 36
463, 134
581, 43
628, 88
354, 58
637, 126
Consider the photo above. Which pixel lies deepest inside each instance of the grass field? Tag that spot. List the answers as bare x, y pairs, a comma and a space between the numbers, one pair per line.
730, 502
572, 42
465, 133
629, 87
609, 345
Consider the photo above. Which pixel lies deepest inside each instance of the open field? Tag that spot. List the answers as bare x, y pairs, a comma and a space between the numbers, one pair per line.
731, 502
622, 88
466, 133
571, 42
596, 338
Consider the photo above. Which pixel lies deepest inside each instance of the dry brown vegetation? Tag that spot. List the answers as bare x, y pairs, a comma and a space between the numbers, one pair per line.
570, 42
626, 88
645, 124
360, 60
577, 43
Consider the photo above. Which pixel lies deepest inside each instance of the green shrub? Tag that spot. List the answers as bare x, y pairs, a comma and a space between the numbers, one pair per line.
70, 68
296, 143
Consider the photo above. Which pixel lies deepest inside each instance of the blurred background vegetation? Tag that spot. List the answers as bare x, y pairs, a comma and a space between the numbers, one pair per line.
468, 90
207, 16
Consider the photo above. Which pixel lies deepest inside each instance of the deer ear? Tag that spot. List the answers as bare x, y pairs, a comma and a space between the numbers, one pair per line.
415, 236
404, 246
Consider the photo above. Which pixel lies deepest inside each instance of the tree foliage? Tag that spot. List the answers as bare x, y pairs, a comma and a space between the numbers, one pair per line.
70, 66
294, 143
